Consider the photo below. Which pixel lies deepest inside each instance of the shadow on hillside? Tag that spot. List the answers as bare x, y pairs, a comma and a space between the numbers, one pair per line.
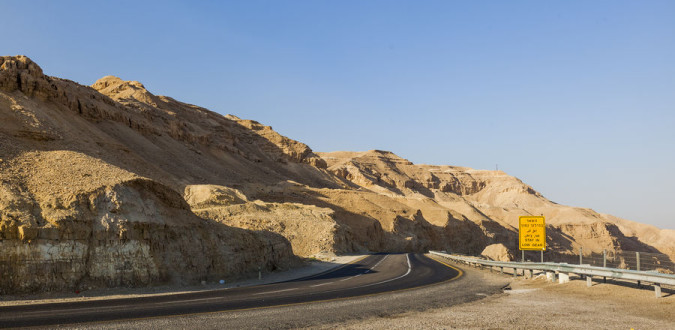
463, 236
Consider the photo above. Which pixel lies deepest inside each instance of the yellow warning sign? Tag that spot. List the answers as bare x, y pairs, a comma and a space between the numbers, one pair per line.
532, 233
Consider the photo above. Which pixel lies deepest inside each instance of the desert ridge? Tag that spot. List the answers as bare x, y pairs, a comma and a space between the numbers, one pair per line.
111, 185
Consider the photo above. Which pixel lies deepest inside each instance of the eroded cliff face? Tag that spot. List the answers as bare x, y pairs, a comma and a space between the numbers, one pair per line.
311, 230
467, 210
89, 188
111, 185
135, 232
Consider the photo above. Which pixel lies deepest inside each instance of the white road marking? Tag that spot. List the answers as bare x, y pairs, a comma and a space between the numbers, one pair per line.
349, 278
391, 279
315, 285
182, 301
367, 285
367, 270
267, 292
379, 262
118, 307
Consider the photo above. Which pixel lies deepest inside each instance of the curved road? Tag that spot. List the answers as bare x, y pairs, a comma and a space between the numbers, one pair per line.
370, 275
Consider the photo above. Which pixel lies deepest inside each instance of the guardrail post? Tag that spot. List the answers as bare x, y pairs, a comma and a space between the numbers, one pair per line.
581, 257
657, 290
604, 264
501, 270
563, 278
637, 261
515, 272
589, 281
550, 276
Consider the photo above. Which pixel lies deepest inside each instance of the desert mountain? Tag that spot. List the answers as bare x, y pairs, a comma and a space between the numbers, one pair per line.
112, 185
494, 200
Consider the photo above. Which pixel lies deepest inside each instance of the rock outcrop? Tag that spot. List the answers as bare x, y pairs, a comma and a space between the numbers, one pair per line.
310, 230
497, 252
135, 232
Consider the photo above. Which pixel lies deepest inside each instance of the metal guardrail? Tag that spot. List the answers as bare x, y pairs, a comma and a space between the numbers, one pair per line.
563, 270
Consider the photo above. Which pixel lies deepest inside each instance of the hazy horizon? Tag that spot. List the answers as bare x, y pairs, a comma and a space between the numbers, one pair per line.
574, 98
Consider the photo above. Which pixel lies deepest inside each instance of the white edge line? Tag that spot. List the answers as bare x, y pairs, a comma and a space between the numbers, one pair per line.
349, 278
385, 281
320, 284
367, 271
266, 292
379, 262
395, 278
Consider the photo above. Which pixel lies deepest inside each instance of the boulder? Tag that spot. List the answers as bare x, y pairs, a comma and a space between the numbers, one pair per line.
497, 252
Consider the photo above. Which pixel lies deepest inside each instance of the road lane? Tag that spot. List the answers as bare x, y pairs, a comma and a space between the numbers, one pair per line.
371, 275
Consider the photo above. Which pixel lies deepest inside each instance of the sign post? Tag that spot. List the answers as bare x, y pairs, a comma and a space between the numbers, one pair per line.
531, 234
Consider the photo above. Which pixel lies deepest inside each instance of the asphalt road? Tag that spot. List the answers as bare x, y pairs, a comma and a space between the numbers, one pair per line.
371, 275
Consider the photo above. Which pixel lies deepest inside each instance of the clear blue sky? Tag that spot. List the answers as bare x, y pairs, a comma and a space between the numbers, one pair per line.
576, 98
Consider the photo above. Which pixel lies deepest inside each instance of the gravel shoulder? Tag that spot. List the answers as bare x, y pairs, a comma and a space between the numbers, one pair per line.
311, 268
537, 303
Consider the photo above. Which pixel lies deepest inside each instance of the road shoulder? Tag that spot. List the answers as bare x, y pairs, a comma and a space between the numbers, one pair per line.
536, 303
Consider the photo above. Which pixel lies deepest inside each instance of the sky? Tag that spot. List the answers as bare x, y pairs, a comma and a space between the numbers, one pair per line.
575, 98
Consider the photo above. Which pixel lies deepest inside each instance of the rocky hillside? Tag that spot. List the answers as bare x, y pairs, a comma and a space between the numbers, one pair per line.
493, 200
112, 185
91, 190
